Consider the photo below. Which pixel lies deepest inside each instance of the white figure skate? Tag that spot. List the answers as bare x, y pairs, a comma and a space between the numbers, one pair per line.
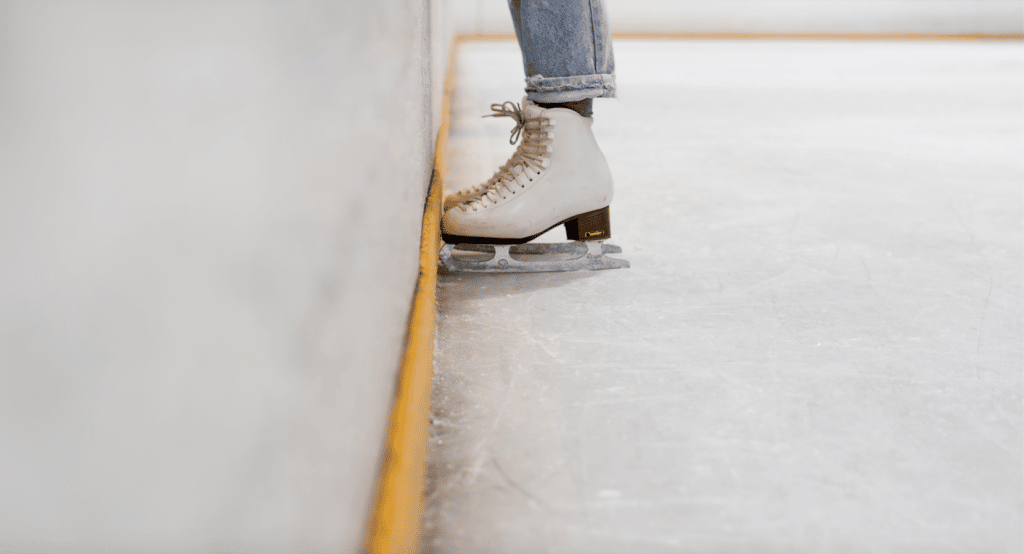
557, 176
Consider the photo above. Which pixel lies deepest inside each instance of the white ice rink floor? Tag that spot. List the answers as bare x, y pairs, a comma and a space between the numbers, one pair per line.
819, 347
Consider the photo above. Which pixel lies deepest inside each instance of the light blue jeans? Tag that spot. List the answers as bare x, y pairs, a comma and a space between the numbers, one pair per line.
567, 49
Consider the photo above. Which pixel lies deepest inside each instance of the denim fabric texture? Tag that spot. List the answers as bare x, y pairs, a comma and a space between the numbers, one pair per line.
567, 49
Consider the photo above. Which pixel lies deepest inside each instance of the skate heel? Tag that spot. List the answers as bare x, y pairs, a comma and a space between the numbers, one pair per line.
595, 225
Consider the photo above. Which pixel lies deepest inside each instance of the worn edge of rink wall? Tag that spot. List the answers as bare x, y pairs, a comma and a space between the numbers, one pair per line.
771, 36
395, 525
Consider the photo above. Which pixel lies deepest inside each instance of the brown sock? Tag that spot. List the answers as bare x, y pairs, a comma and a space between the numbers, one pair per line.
583, 107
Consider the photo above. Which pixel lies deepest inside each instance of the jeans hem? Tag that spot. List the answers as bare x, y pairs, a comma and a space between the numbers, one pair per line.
570, 89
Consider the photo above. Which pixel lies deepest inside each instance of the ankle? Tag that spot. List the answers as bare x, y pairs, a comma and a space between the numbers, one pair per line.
583, 107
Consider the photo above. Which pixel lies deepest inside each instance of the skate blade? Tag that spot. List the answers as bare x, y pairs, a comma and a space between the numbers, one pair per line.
588, 256
574, 247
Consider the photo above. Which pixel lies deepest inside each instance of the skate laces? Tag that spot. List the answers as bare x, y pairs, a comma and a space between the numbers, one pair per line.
510, 109
528, 160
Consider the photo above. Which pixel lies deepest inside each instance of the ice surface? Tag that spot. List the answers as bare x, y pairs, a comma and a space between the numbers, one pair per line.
819, 346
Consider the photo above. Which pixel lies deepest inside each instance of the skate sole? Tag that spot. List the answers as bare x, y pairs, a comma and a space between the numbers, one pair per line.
587, 226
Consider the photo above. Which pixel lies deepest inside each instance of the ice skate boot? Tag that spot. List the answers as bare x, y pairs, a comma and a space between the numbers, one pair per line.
458, 197
557, 176
508, 109
465, 194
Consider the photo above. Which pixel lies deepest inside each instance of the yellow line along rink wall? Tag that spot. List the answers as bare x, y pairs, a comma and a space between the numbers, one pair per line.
395, 521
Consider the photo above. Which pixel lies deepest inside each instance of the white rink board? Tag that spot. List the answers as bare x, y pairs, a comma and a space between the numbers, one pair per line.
779, 16
210, 220
818, 347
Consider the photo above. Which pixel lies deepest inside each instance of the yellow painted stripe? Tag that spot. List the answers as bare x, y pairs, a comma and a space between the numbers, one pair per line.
395, 523
770, 36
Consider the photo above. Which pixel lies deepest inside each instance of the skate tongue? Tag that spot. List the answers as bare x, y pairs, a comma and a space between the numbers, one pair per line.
531, 110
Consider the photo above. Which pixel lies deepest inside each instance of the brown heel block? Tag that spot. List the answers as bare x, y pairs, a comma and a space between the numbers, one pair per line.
595, 225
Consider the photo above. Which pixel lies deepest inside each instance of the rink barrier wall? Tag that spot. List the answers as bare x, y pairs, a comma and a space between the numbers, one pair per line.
770, 36
395, 522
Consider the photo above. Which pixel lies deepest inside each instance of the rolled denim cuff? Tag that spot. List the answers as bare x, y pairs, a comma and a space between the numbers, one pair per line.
570, 89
